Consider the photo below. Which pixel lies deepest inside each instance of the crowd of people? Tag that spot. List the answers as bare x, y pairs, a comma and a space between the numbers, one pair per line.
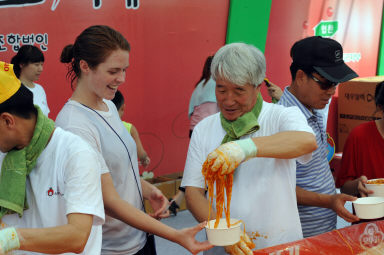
73, 185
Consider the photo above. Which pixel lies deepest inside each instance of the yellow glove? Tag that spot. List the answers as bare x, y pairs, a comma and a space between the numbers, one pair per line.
243, 247
228, 156
9, 240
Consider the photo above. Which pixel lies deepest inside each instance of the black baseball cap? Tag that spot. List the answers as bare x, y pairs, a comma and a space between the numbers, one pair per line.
325, 55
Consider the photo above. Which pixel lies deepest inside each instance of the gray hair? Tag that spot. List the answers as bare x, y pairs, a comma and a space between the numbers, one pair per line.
239, 63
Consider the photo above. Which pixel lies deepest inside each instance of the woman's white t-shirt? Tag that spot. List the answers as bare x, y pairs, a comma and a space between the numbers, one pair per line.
40, 98
118, 237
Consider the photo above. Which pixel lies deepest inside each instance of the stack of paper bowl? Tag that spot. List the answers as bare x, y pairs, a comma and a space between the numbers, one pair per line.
378, 188
369, 207
222, 235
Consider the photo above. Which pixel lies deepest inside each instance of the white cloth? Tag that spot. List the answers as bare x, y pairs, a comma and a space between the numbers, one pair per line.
39, 98
263, 193
118, 237
66, 180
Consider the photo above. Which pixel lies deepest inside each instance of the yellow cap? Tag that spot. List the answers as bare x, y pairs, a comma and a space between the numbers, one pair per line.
9, 84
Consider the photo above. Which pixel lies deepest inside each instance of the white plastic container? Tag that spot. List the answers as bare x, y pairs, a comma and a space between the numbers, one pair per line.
369, 207
222, 235
378, 189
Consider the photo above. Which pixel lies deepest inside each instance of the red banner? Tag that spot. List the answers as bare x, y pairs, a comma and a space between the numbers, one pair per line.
170, 41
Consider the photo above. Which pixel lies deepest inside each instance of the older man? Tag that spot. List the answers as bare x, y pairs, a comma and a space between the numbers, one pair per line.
317, 68
270, 137
50, 191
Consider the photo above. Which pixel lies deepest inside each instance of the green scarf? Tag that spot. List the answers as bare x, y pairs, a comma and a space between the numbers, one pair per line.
244, 125
17, 164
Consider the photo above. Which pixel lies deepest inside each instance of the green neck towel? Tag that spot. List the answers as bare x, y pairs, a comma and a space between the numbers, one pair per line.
245, 124
17, 164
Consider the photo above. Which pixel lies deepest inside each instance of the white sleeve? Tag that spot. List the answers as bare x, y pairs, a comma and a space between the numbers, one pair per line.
83, 185
292, 119
92, 139
192, 175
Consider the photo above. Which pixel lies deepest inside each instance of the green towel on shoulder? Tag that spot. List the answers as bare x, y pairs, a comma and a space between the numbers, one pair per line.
17, 164
245, 124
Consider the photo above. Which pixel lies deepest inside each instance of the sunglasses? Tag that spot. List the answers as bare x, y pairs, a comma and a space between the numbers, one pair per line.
324, 85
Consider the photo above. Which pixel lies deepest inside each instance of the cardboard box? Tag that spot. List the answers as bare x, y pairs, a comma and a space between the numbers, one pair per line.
356, 104
169, 185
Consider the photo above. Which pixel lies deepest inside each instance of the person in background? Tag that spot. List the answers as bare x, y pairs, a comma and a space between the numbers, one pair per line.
98, 61
264, 138
28, 66
119, 102
275, 92
203, 99
317, 68
363, 156
202, 104
50, 191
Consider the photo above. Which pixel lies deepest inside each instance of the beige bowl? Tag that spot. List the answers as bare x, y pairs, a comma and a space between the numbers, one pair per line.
378, 189
369, 207
222, 235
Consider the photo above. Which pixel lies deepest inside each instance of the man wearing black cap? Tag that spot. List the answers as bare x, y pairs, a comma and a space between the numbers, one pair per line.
50, 191
317, 68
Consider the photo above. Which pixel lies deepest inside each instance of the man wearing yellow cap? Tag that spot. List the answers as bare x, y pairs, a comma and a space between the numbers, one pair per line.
50, 194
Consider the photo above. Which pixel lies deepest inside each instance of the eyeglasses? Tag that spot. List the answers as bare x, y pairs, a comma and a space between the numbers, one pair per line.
324, 85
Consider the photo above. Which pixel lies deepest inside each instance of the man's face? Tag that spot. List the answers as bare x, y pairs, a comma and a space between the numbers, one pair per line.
312, 93
234, 100
6, 140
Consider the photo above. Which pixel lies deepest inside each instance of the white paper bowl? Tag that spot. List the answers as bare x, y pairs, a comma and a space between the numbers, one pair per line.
378, 189
222, 235
369, 207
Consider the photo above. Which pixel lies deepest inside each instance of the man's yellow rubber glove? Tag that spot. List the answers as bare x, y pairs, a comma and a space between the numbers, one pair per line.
228, 156
9, 240
243, 247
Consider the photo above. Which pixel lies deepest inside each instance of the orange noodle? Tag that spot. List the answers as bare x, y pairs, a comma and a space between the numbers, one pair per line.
223, 182
378, 181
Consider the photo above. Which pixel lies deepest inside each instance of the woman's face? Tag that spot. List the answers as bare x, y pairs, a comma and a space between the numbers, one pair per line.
109, 75
31, 71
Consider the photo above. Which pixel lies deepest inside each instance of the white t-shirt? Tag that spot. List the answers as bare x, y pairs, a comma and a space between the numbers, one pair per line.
118, 237
66, 180
39, 98
263, 193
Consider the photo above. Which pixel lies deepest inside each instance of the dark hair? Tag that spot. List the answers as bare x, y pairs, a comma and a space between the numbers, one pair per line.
93, 45
295, 67
118, 100
26, 54
206, 71
379, 95
20, 104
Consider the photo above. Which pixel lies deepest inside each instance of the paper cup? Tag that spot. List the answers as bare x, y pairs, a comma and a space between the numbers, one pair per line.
369, 207
378, 189
222, 235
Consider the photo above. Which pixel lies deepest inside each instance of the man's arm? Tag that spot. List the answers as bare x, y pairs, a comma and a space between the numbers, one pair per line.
71, 237
335, 202
197, 203
285, 145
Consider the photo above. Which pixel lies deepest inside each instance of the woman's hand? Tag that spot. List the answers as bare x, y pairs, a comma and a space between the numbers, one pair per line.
188, 241
159, 204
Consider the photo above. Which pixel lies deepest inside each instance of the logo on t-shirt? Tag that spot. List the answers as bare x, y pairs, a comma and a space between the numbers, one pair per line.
51, 192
